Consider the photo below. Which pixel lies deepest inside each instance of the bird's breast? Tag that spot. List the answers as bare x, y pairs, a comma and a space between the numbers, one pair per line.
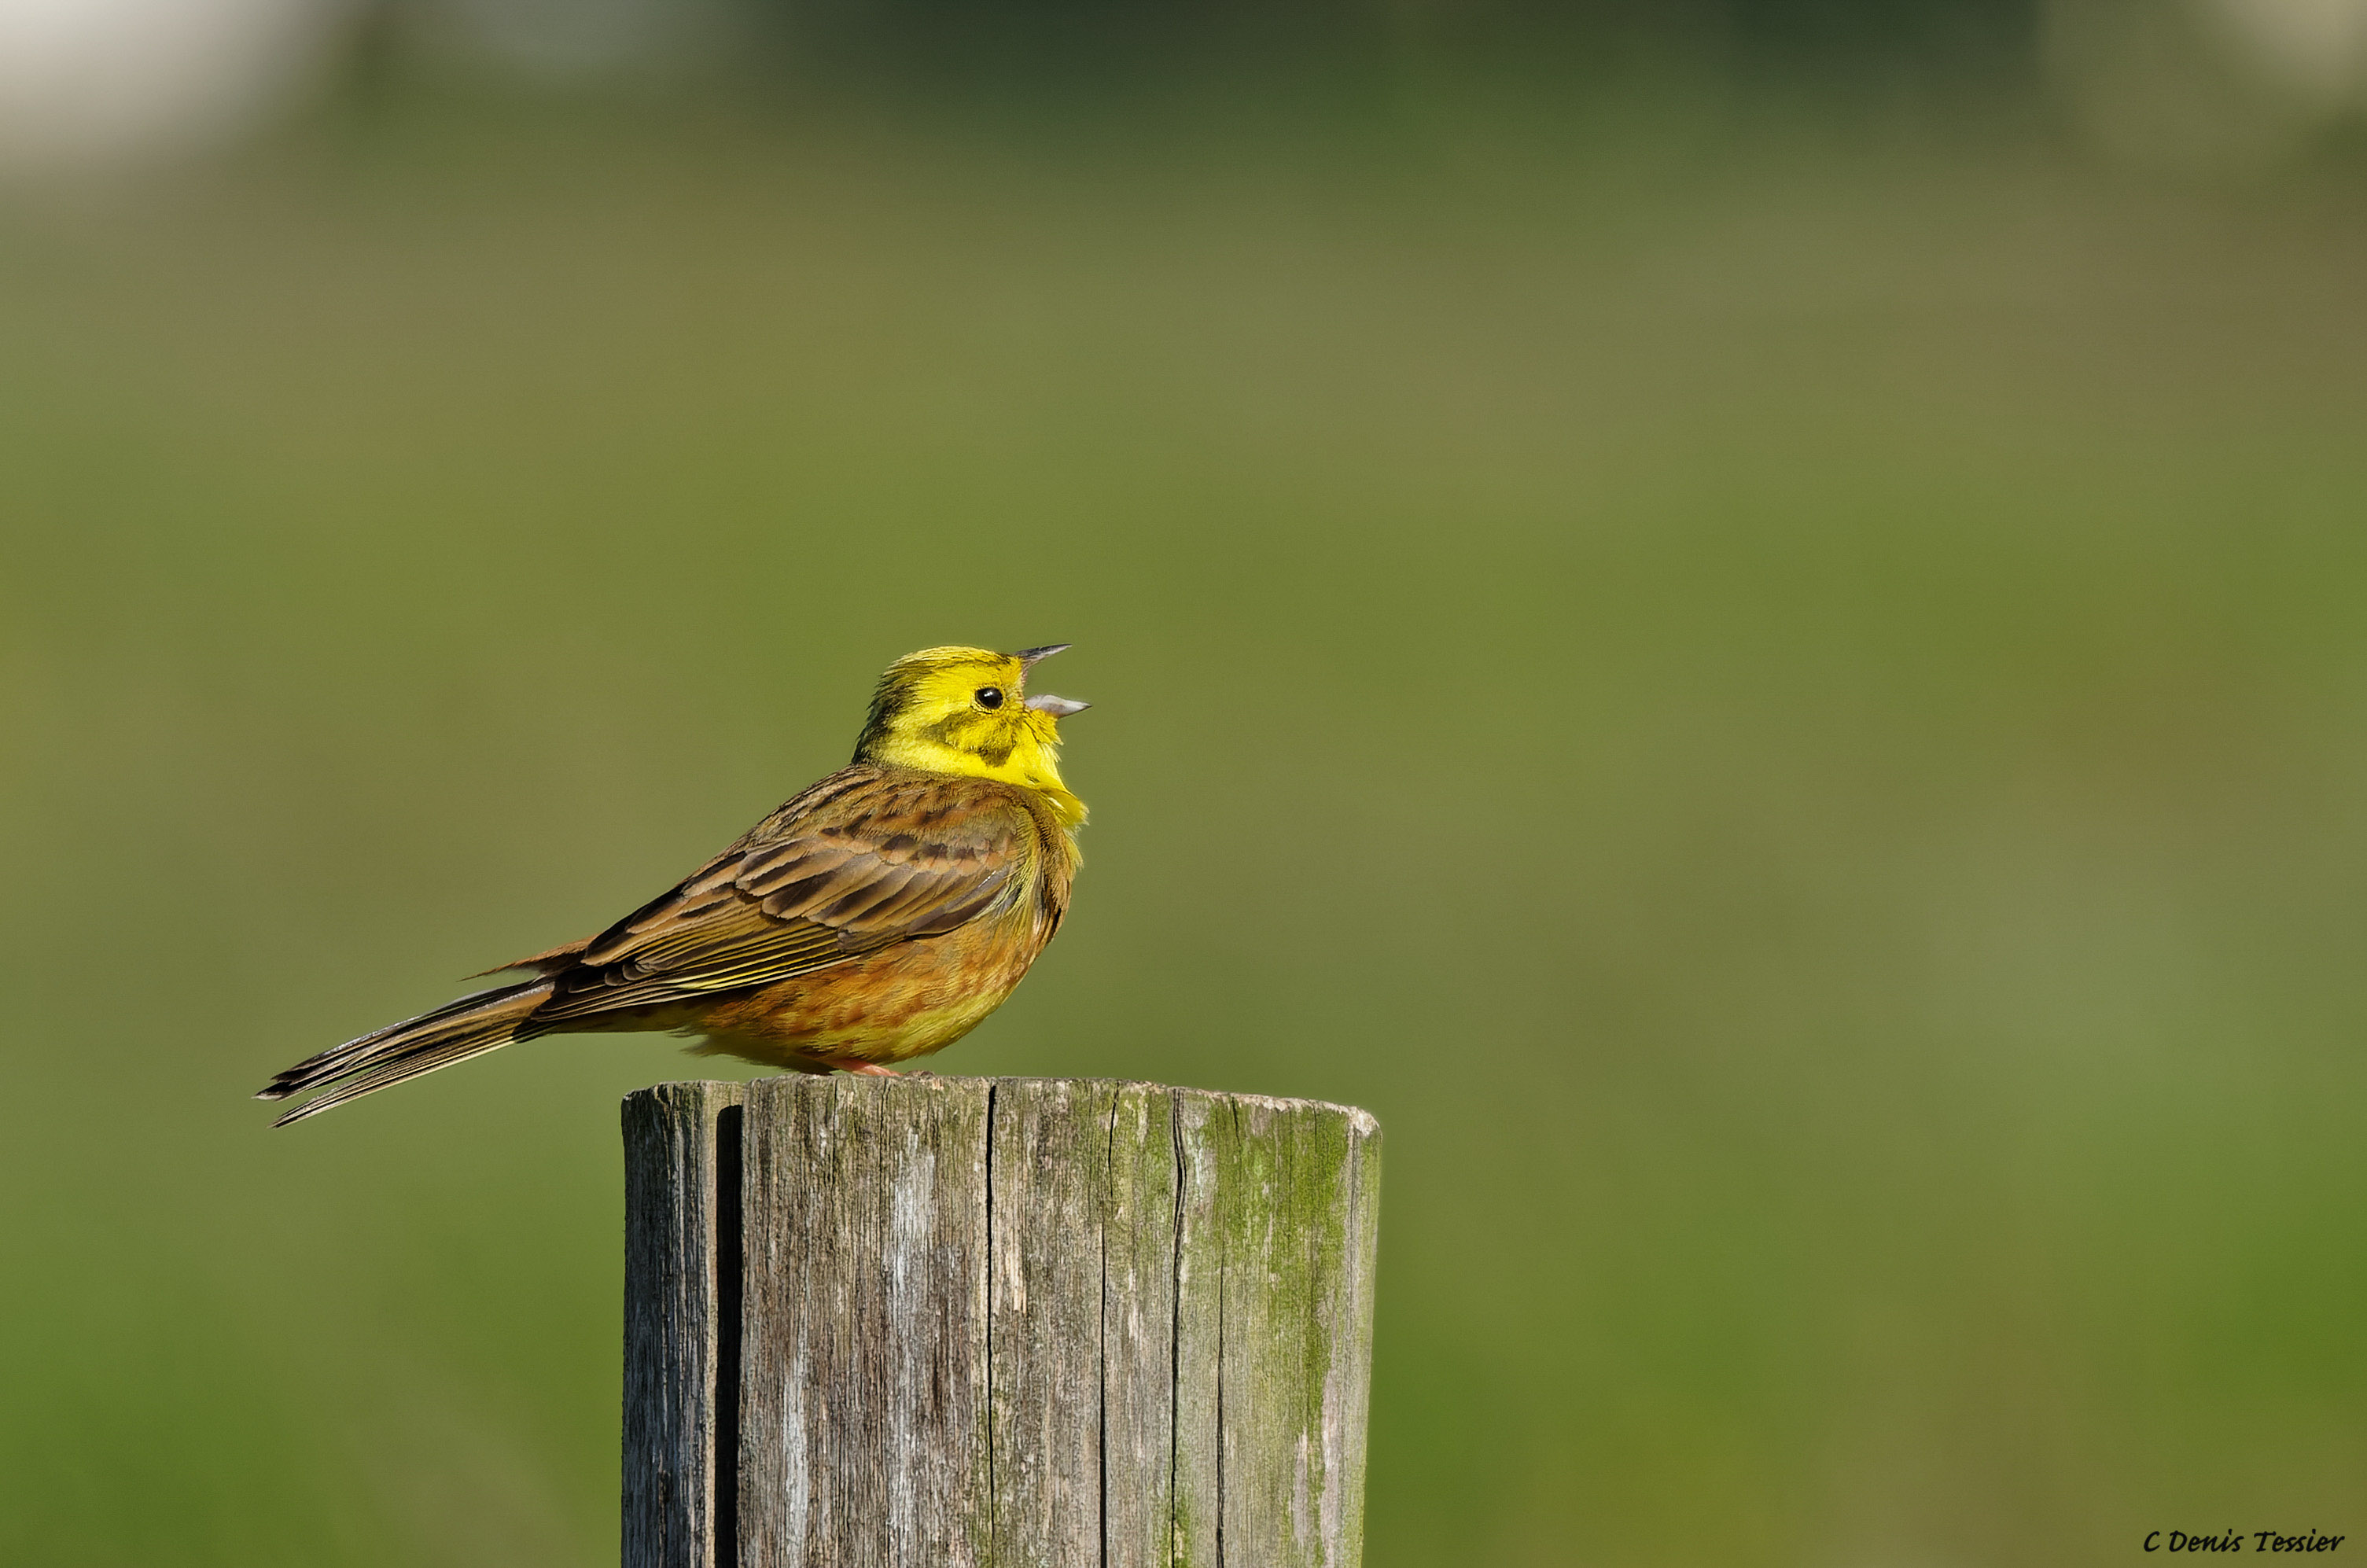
902, 1002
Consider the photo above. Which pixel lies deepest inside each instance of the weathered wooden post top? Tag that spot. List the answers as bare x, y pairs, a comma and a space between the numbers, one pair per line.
994, 1323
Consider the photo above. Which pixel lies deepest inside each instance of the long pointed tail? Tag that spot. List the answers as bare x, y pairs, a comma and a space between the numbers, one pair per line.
454, 1032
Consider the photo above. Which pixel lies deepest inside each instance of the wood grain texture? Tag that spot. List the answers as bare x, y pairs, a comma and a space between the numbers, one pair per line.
863, 1434
1044, 1298
1049, 1322
672, 1321
1294, 1221
1138, 1338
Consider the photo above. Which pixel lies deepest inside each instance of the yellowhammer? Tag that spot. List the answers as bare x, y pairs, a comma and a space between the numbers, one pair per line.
876, 917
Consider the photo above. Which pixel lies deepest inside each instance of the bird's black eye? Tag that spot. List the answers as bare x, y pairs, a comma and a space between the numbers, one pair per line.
990, 696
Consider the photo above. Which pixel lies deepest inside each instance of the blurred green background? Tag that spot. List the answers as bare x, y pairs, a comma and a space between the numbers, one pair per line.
1750, 631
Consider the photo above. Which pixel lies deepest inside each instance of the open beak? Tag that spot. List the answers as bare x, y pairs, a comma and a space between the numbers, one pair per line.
1058, 707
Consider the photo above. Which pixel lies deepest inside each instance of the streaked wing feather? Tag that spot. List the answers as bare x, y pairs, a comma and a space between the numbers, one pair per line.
808, 892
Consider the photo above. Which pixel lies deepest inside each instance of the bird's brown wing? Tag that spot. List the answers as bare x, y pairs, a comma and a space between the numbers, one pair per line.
864, 859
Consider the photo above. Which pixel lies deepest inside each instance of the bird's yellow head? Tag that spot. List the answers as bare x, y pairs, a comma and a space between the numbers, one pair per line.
967, 711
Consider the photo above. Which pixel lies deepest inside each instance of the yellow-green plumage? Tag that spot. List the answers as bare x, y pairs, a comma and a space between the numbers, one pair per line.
878, 917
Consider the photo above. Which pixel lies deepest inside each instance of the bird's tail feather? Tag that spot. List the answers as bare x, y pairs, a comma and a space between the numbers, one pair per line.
454, 1032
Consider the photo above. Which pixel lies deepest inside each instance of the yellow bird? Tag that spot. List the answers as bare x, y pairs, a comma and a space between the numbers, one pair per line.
876, 917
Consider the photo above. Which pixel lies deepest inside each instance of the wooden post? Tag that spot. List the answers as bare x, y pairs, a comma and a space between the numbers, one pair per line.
1008, 1323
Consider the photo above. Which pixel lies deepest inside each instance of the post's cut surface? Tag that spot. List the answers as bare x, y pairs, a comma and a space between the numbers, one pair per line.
1003, 1323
